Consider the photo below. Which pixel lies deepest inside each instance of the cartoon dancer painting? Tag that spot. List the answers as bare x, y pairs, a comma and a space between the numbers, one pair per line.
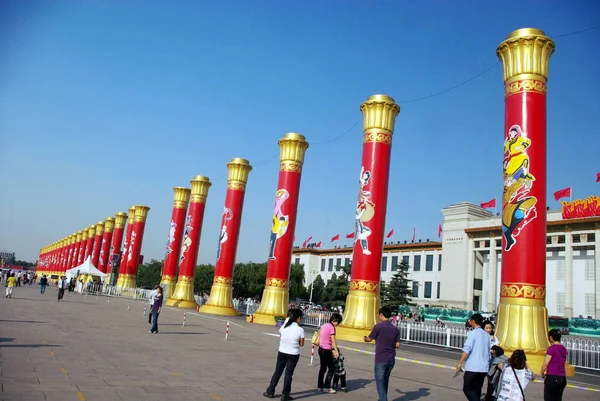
518, 209
227, 215
280, 221
171, 238
187, 241
365, 210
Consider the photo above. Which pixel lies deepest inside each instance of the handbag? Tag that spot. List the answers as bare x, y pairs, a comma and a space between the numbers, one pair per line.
518, 382
316, 338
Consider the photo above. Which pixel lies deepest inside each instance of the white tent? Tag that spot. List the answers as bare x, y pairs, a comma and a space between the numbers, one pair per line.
85, 268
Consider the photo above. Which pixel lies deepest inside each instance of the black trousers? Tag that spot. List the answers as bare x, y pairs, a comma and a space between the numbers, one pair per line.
341, 379
287, 362
554, 387
61, 293
326, 357
472, 384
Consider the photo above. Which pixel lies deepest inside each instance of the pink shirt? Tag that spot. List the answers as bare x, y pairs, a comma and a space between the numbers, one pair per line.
326, 331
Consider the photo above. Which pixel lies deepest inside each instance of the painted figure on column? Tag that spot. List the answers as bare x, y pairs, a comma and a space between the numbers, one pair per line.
181, 198
280, 220
115, 245
227, 216
109, 225
365, 210
187, 240
135, 245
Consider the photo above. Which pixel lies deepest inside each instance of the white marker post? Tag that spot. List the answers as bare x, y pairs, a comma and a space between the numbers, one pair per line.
184, 318
227, 331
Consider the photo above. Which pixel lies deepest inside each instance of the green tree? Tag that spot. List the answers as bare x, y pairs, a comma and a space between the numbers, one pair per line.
336, 290
203, 278
297, 289
398, 291
249, 279
148, 274
319, 287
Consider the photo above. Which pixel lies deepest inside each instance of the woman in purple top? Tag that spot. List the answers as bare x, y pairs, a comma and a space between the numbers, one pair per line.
155, 310
328, 351
553, 368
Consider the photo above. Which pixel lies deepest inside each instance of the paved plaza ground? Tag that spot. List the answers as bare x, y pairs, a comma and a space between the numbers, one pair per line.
91, 349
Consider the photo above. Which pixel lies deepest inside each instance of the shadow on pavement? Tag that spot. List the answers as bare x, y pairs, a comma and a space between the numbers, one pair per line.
355, 384
29, 345
181, 332
5, 339
413, 395
21, 321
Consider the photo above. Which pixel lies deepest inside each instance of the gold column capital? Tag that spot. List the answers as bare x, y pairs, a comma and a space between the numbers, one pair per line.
91, 231
379, 112
84, 234
73, 238
109, 224
181, 197
130, 214
292, 148
100, 228
238, 171
200, 186
141, 213
525, 51
120, 219
79, 234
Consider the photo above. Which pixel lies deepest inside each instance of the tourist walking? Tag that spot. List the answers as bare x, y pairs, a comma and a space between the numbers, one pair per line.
515, 378
340, 373
156, 306
291, 338
10, 285
43, 284
328, 350
387, 339
489, 328
553, 368
498, 360
476, 358
153, 294
62, 285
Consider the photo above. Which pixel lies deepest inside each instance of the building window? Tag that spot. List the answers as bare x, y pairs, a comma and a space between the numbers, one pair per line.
438, 290
429, 263
560, 302
384, 264
561, 270
338, 264
427, 289
394, 263
415, 289
405, 260
590, 304
322, 265
589, 270
417, 263
440, 262
297, 261
478, 284
347, 262
330, 267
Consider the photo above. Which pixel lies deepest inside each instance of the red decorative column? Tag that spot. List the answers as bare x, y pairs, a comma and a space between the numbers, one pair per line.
109, 225
62, 256
115, 246
522, 321
89, 247
123, 260
79, 248
135, 245
71, 251
97, 243
181, 198
275, 299
183, 296
220, 301
362, 302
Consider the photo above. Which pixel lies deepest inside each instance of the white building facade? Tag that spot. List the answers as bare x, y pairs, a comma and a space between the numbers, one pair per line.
464, 269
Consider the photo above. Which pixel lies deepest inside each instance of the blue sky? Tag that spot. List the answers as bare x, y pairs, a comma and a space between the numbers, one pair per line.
104, 105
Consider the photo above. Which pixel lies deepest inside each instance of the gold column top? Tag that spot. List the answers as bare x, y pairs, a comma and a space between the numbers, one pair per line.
91, 231
120, 219
200, 186
181, 197
109, 224
84, 234
79, 234
380, 111
292, 148
525, 51
72, 239
130, 215
141, 213
238, 170
100, 228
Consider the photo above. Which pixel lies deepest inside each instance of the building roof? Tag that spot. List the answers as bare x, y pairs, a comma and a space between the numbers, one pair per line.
417, 246
553, 226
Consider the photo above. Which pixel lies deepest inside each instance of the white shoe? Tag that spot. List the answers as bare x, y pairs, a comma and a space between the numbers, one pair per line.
329, 391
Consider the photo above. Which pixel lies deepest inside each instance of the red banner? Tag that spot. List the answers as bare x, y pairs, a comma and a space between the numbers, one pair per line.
488, 204
580, 208
563, 193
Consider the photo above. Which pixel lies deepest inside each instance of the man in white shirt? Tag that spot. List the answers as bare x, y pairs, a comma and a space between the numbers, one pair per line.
62, 284
153, 295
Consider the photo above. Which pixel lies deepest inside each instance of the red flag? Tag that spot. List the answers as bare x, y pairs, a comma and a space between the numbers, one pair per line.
306, 242
598, 177
319, 244
491, 203
414, 233
439, 231
351, 235
563, 193
335, 237
390, 233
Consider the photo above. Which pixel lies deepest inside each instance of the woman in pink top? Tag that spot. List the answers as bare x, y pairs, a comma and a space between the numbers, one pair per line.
328, 350
553, 368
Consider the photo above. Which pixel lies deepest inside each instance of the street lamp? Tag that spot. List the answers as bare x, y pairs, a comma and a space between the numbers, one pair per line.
313, 272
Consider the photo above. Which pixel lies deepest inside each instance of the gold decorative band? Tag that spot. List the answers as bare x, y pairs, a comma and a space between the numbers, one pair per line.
525, 85
520, 290
377, 136
276, 282
198, 199
185, 279
290, 167
168, 279
222, 280
179, 205
364, 285
236, 186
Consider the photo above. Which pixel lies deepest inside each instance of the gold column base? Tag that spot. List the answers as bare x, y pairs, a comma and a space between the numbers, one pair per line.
183, 296
220, 301
523, 324
361, 315
119, 283
168, 284
275, 301
107, 278
129, 281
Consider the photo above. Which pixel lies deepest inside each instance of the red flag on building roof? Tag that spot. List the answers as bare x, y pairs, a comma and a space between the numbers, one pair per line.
390, 233
488, 204
335, 238
414, 233
439, 231
351, 235
563, 193
598, 177
306, 242
319, 244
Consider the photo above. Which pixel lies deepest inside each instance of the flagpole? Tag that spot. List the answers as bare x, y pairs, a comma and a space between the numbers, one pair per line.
495, 206
571, 195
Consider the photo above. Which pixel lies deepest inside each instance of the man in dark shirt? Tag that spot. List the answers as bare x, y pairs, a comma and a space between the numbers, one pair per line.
387, 339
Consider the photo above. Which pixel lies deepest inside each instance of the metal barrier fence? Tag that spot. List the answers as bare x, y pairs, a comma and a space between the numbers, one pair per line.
582, 353
432, 334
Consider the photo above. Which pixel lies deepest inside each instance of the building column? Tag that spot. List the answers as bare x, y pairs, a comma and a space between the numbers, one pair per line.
470, 273
597, 271
493, 272
568, 274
